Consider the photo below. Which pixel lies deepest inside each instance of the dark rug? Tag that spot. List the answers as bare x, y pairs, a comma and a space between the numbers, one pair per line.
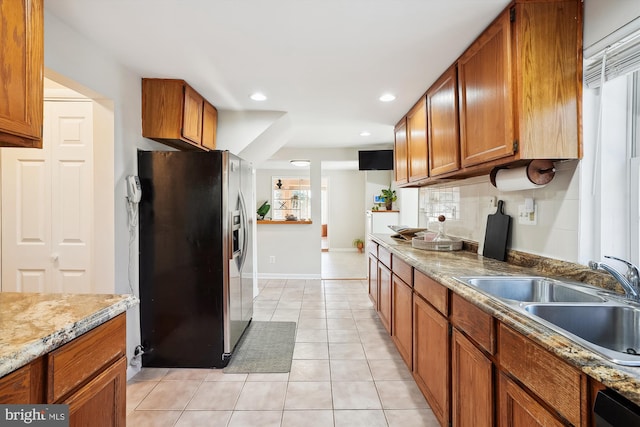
265, 347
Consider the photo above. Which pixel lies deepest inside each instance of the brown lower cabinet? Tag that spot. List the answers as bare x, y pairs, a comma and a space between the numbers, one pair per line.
431, 357
471, 384
373, 279
401, 330
384, 296
88, 374
472, 369
518, 408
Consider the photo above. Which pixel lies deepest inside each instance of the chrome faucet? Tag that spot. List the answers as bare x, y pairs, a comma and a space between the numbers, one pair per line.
630, 282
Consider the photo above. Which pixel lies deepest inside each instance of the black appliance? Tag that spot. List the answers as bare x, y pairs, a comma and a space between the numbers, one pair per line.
196, 266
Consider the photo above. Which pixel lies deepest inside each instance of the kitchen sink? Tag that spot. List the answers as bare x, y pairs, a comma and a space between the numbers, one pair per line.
611, 330
531, 289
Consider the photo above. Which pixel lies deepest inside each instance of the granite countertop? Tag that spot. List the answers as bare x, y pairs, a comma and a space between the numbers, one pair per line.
444, 266
33, 324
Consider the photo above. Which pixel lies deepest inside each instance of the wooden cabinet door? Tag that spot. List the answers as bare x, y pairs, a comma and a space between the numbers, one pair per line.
486, 96
384, 296
402, 324
24, 385
431, 357
518, 409
209, 126
442, 123
373, 280
471, 384
417, 141
21, 74
192, 115
102, 402
400, 152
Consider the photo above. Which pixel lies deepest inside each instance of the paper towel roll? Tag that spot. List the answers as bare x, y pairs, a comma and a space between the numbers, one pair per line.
536, 174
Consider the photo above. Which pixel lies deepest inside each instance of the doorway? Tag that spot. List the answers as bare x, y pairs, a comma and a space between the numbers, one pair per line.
57, 197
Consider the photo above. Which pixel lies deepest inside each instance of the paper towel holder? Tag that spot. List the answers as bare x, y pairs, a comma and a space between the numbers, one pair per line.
539, 172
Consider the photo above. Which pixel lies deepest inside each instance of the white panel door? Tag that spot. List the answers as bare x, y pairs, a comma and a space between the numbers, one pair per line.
47, 206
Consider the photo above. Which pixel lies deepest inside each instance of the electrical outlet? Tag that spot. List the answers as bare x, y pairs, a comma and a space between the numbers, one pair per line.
527, 218
491, 202
272, 259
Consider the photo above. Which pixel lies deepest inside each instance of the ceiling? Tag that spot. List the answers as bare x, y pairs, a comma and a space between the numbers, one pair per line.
323, 63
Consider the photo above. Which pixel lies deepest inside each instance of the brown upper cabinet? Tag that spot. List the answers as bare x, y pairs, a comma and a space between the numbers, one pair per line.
22, 73
520, 86
519, 90
209, 126
400, 152
173, 113
442, 124
417, 141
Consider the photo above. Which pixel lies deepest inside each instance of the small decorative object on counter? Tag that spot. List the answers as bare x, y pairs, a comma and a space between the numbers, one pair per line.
358, 243
291, 217
439, 242
279, 184
263, 209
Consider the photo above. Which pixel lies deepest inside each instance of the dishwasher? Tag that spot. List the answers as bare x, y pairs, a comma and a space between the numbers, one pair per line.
613, 410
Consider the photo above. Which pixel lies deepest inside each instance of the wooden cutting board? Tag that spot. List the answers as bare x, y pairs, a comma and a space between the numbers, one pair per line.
497, 235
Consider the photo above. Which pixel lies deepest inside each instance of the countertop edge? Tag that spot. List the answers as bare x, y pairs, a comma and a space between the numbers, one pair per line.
30, 351
623, 379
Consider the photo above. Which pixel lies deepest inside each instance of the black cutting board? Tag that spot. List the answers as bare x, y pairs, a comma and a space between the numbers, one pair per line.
497, 235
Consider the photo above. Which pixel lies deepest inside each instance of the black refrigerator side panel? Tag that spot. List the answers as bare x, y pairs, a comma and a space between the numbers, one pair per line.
181, 259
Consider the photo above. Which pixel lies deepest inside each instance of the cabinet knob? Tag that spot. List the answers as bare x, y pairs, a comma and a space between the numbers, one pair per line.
54, 257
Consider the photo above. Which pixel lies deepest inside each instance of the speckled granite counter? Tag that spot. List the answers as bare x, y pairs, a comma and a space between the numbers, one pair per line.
32, 324
443, 266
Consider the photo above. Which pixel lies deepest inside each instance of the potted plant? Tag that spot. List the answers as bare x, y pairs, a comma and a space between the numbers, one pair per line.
389, 196
358, 243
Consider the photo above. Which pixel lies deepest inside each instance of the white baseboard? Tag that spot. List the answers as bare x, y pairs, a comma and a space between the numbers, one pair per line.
343, 250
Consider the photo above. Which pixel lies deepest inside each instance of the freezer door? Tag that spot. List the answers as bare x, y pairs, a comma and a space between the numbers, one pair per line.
235, 319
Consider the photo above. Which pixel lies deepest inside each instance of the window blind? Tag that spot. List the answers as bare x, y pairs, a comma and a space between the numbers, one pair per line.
620, 57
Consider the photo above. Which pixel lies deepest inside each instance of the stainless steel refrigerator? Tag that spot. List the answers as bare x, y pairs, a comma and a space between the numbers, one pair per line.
196, 262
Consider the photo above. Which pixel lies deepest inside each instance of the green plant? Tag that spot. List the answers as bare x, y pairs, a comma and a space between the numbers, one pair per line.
389, 195
358, 243
263, 209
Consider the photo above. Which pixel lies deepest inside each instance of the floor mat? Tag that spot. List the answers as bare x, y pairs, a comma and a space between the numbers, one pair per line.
265, 347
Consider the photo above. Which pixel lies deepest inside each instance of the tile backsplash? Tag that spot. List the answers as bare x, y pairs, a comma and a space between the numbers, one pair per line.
466, 206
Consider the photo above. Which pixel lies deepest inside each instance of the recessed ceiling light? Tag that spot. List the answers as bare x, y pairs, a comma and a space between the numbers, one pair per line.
365, 133
387, 97
300, 163
258, 96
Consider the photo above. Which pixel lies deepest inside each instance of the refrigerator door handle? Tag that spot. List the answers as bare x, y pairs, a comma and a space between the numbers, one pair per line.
245, 233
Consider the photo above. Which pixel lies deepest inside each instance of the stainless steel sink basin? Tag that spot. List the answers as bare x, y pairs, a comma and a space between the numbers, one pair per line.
531, 289
611, 330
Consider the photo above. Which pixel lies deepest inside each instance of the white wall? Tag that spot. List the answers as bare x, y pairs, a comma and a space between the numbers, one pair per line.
73, 56
296, 247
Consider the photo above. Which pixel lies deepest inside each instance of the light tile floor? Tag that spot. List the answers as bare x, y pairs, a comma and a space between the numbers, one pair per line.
345, 372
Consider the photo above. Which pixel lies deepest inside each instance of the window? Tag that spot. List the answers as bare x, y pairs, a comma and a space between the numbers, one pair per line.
291, 198
610, 169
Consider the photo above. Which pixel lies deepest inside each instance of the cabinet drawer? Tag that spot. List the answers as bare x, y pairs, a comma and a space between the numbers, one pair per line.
77, 361
403, 270
477, 324
432, 291
553, 380
384, 256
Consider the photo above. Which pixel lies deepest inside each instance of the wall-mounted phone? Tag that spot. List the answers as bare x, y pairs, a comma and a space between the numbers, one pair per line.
134, 190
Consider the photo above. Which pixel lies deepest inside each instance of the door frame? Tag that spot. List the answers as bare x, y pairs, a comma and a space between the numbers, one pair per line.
103, 176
